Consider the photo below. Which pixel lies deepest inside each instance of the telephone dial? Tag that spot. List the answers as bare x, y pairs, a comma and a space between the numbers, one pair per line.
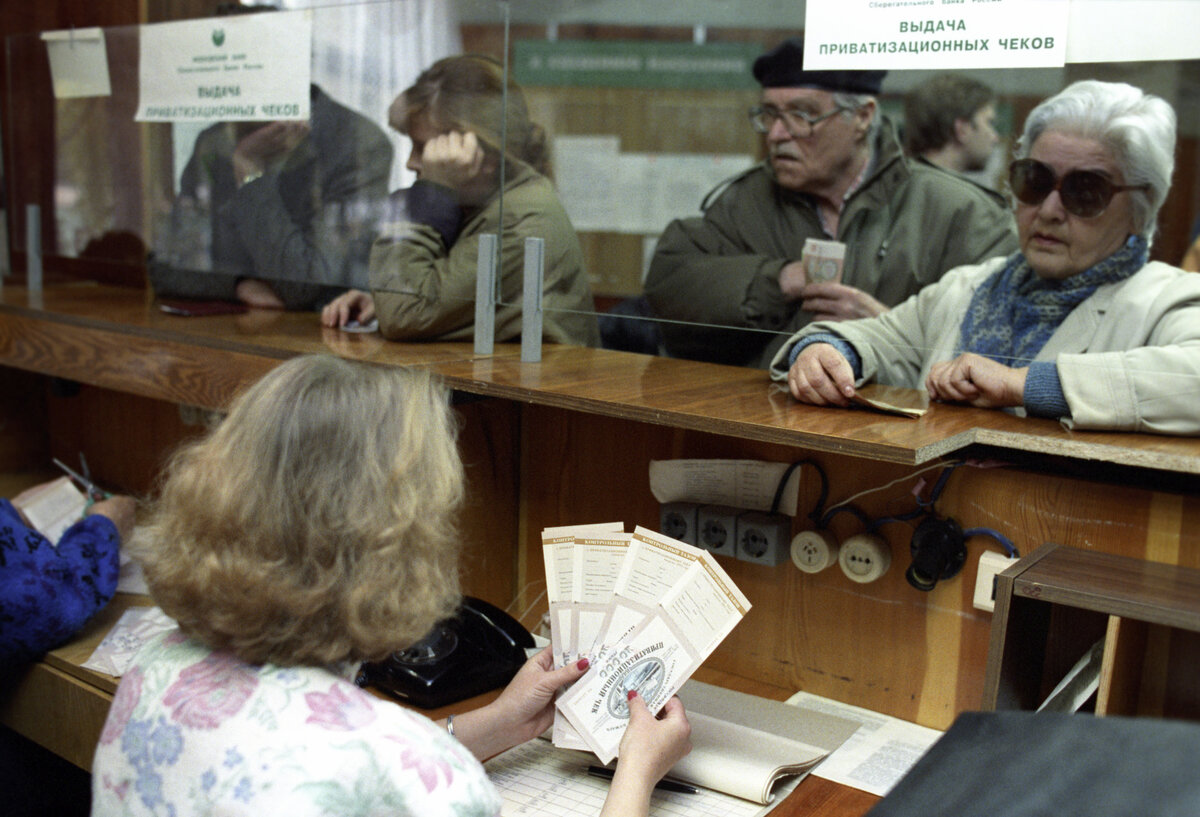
478, 649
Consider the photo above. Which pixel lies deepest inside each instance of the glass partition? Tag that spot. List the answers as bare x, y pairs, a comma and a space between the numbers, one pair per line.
622, 120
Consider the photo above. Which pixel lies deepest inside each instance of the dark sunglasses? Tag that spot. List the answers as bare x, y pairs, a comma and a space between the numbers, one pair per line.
1084, 193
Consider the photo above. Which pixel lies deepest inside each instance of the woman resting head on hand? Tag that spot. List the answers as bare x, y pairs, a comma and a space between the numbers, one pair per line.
1077, 325
313, 529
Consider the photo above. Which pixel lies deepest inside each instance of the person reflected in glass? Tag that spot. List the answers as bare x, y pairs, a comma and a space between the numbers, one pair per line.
950, 121
311, 530
423, 269
1078, 324
275, 214
732, 281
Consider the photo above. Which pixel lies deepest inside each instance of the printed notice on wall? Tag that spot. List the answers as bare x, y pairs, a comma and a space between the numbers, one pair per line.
936, 34
246, 68
78, 63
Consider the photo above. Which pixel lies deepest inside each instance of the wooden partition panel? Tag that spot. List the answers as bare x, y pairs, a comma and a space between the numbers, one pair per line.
885, 645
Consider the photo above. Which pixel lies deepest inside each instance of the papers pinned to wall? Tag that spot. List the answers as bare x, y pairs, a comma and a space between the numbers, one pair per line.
750, 485
78, 63
606, 190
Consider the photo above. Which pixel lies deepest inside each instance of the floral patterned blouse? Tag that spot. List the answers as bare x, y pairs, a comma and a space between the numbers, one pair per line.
197, 732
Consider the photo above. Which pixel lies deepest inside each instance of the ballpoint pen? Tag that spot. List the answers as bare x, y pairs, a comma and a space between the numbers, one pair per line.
663, 785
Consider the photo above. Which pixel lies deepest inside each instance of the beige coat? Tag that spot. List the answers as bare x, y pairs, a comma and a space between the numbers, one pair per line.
1128, 357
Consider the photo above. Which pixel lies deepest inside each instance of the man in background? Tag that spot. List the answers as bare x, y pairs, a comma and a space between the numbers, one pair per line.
731, 282
950, 121
276, 214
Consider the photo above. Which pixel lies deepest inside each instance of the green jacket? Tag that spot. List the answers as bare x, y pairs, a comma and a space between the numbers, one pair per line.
903, 228
426, 290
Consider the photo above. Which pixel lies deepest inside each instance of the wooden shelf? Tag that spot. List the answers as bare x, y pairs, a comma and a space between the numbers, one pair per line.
1053, 605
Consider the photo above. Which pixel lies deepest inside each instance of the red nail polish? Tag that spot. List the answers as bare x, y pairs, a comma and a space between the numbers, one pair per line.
632, 694
582, 663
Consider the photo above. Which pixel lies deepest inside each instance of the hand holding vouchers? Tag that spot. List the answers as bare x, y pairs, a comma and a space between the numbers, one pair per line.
671, 604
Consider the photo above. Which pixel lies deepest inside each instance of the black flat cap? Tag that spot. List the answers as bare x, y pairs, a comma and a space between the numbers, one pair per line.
783, 67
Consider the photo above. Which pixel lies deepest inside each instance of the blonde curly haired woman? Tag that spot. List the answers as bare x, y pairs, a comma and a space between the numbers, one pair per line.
310, 531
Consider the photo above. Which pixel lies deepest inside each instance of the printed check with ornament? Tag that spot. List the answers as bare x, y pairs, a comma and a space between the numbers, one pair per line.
646, 610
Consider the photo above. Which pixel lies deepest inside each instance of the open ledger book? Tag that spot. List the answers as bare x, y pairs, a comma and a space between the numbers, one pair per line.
747, 754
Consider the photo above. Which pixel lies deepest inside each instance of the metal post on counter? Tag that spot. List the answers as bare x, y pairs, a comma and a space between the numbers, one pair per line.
531, 301
485, 295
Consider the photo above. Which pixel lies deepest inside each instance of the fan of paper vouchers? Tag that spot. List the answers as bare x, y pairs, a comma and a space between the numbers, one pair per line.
646, 610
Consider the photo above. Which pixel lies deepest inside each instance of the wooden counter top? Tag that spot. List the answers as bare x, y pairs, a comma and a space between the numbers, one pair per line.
115, 338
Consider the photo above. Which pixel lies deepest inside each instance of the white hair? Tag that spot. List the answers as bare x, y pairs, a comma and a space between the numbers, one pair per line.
1137, 128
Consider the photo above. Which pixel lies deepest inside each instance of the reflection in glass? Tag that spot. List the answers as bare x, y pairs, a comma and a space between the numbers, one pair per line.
482, 167
629, 158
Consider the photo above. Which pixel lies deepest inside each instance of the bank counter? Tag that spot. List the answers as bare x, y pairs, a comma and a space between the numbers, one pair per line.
569, 440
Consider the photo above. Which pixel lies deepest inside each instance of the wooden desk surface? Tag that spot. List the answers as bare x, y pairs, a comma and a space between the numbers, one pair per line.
115, 338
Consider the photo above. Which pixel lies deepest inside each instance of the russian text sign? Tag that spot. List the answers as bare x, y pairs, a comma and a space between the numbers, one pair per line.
937, 34
246, 68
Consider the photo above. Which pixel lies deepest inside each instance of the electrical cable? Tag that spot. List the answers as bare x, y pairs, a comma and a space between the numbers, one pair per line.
818, 509
935, 465
1003, 540
844, 508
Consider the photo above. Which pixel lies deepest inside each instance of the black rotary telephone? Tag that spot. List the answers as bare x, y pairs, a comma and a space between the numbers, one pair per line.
479, 649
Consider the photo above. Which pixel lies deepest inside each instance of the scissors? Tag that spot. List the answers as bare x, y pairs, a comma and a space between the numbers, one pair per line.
85, 479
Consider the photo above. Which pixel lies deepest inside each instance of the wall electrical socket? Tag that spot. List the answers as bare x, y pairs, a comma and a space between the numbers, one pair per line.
763, 538
865, 557
678, 520
990, 563
814, 550
716, 529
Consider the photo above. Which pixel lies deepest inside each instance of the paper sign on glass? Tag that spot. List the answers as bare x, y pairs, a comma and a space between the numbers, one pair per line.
245, 68
78, 62
938, 34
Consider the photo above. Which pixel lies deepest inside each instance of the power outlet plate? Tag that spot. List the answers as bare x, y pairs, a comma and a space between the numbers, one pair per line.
990, 563
763, 538
716, 529
865, 557
814, 550
678, 520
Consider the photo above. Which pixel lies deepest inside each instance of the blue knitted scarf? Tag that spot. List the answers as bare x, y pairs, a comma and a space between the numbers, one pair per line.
1014, 312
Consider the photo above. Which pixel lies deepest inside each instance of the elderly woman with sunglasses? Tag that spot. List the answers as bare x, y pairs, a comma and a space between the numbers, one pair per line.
1076, 325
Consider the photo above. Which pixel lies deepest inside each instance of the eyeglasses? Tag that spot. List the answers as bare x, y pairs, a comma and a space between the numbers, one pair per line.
1084, 193
800, 124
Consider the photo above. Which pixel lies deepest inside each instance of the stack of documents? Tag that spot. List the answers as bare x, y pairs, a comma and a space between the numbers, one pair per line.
747, 754
646, 610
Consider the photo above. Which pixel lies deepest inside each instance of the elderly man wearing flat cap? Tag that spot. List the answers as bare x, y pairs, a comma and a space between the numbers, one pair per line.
834, 171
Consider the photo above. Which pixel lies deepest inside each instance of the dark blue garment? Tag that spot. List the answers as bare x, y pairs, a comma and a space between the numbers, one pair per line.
47, 594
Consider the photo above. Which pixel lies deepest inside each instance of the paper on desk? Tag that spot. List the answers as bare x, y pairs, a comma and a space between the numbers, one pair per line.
893, 400
537, 779
748, 754
131, 579
878, 754
744, 744
53, 507
114, 655
747, 484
